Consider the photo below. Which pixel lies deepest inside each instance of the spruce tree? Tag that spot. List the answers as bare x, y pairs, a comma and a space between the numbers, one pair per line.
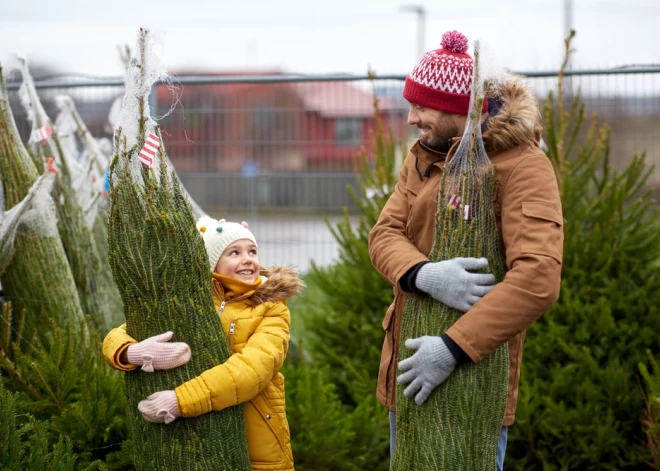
343, 330
327, 433
64, 382
579, 404
26, 445
161, 268
468, 409
651, 417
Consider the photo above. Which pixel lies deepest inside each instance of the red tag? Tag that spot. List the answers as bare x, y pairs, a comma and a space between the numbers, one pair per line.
149, 150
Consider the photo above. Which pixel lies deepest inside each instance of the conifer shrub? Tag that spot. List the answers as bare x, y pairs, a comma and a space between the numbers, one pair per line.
336, 421
580, 405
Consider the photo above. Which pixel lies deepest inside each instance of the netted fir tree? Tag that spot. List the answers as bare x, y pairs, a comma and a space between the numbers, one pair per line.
38, 279
580, 405
89, 187
459, 424
161, 268
97, 293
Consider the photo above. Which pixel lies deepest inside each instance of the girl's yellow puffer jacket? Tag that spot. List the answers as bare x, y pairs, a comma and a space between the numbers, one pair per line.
256, 321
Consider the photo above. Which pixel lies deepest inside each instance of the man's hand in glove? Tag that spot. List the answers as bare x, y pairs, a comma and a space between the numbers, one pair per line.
430, 365
452, 284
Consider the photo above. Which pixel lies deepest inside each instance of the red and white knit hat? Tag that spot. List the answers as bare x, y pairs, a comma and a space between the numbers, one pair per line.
443, 78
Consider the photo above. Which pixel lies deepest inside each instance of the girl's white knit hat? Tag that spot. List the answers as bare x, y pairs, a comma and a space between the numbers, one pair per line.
218, 235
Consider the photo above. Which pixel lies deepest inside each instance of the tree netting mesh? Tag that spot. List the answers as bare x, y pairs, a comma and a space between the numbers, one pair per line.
89, 188
161, 268
90, 268
37, 278
29, 211
91, 163
459, 425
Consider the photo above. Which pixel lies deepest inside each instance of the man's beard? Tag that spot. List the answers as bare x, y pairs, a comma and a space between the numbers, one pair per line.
441, 142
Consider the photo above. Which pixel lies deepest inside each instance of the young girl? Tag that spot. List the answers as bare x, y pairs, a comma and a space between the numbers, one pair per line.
252, 309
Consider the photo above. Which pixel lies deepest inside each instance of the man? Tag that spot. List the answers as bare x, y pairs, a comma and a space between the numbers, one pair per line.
529, 218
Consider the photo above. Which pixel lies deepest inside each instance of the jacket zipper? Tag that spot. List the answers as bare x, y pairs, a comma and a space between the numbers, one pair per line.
232, 326
232, 329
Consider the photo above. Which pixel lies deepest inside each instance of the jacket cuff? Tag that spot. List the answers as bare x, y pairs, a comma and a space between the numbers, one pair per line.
113, 347
458, 353
194, 398
407, 283
121, 365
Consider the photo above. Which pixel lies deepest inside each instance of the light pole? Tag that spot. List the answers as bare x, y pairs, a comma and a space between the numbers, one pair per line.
421, 20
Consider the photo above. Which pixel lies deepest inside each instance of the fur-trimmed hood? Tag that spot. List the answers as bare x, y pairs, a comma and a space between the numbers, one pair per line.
515, 115
276, 284
281, 283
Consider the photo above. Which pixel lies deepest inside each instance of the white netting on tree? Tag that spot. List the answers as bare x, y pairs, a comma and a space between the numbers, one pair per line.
66, 130
137, 86
72, 193
471, 160
34, 110
129, 131
92, 163
42, 141
36, 211
41, 217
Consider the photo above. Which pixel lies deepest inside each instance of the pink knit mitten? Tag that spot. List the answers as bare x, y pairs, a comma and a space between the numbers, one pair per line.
156, 353
160, 407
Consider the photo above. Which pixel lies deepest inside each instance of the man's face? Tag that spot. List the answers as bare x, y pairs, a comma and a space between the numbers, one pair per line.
437, 126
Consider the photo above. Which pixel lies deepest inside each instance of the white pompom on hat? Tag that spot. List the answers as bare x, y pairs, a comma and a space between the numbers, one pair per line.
219, 234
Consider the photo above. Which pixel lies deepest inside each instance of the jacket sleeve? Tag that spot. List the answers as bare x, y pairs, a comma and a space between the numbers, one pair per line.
114, 345
245, 373
533, 237
392, 254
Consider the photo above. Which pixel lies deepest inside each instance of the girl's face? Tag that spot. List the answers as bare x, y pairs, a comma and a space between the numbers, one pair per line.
240, 261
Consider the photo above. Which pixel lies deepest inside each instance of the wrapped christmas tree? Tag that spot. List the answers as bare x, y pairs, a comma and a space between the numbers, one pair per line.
22, 212
161, 268
90, 269
88, 185
92, 161
37, 278
458, 427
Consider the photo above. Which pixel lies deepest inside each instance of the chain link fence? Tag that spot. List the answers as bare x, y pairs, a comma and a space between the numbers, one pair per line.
277, 150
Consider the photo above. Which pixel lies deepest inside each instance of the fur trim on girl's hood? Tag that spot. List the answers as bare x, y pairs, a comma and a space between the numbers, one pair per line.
281, 283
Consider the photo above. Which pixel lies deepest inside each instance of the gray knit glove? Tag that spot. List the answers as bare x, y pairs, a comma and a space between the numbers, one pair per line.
430, 365
452, 284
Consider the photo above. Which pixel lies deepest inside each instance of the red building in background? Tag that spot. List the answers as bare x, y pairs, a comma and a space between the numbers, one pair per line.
281, 126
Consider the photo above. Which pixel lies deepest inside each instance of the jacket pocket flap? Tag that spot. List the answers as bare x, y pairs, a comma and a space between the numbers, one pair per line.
543, 211
413, 184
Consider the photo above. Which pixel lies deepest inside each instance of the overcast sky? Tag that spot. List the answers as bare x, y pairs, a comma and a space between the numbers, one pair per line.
347, 36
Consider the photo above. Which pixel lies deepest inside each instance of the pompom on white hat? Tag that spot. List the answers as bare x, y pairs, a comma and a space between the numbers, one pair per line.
219, 234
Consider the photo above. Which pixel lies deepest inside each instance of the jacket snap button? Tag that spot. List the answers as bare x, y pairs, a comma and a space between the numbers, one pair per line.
268, 416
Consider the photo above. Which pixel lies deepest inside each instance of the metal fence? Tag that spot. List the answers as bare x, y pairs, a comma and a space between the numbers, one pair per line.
278, 150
